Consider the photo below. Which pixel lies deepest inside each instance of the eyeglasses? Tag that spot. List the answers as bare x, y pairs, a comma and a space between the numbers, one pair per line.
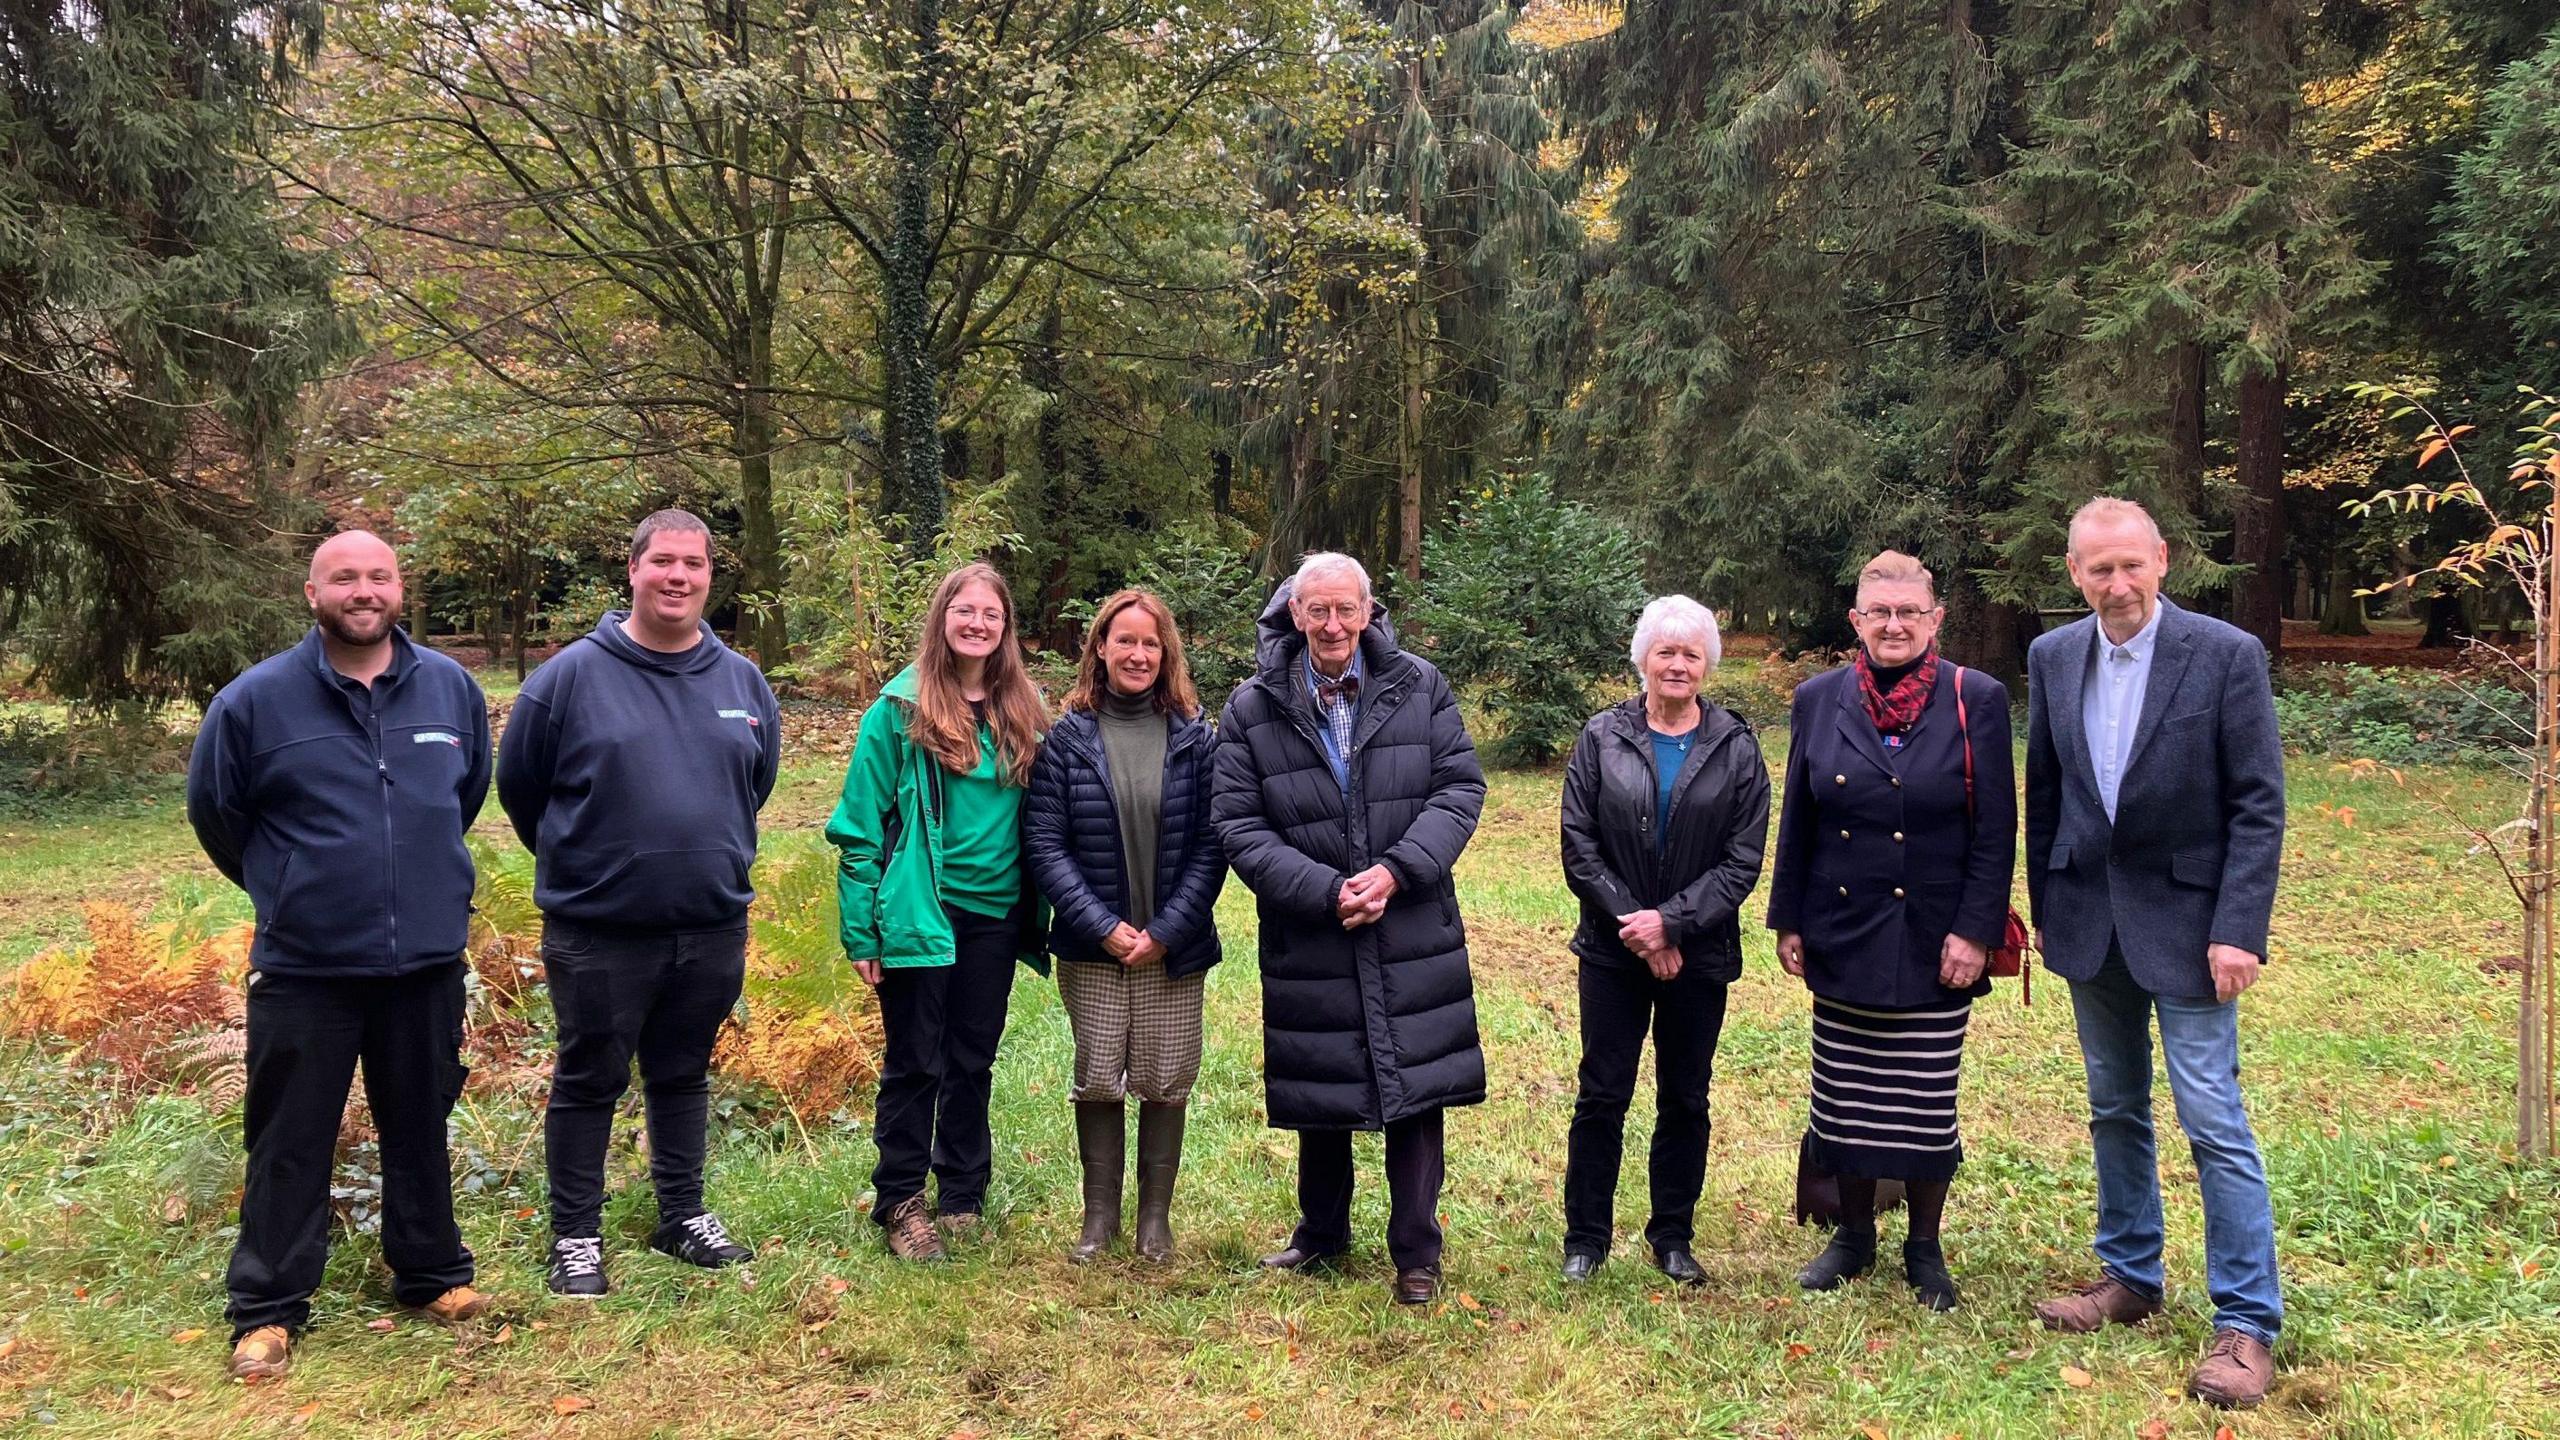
1347, 614
1898, 614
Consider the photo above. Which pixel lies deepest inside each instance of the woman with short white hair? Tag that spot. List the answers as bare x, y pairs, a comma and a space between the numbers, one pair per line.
1666, 810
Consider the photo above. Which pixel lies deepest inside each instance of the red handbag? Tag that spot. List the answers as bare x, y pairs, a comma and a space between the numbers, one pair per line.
2009, 957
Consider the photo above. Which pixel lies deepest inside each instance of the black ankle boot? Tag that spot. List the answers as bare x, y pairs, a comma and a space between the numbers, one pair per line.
1924, 1264
1102, 1144
1852, 1253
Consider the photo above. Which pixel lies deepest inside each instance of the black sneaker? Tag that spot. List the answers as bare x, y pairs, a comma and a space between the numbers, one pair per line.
701, 1241
577, 1267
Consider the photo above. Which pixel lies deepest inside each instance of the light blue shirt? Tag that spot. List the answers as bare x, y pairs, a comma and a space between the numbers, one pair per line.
1334, 721
2111, 702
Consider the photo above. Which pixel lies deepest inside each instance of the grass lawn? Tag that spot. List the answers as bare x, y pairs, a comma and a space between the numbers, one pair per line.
2422, 1267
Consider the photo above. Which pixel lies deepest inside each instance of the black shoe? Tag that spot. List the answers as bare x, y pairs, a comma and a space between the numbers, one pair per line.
1291, 1257
1848, 1257
1419, 1285
1681, 1266
701, 1240
1579, 1268
577, 1267
1925, 1266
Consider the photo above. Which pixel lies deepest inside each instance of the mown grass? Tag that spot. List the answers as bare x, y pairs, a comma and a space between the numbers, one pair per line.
2422, 1266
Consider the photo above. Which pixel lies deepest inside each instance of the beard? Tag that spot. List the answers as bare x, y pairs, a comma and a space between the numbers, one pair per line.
360, 628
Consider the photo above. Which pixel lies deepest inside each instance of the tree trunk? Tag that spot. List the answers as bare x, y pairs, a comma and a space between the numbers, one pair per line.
2346, 608
2257, 525
2185, 481
2444, 623
914, 406
1409, 428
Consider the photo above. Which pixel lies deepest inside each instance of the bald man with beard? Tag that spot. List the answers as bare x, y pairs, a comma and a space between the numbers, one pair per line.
334, 783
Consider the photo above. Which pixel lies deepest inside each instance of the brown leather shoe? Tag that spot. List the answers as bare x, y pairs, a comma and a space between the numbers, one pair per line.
455, 1306
262, 1354
1418, 1286
2098, 1303
1292, 1258
2235, 1373
910, 1231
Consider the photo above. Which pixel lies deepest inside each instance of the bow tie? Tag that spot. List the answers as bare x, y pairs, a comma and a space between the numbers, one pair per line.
1346, 688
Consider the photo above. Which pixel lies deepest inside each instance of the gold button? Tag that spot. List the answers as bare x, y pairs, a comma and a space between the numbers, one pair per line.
1897, 837
1844, 892
1897, 892
1839, 779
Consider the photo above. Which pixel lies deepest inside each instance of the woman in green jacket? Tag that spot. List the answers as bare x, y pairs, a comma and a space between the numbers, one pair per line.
937, 902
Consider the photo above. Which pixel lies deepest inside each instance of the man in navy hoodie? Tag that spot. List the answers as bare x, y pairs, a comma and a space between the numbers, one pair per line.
334, 782
633, 767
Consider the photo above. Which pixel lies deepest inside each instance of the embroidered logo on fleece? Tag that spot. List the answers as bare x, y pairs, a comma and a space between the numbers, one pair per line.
747, 715
436, 737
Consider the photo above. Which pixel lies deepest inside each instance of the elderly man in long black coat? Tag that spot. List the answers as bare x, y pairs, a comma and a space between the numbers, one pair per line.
1346, 788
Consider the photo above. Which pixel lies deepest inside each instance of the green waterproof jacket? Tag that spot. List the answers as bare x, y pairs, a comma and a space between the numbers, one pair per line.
887, 830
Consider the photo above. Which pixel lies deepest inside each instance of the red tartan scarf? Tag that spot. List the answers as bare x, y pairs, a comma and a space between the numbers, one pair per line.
1897, 710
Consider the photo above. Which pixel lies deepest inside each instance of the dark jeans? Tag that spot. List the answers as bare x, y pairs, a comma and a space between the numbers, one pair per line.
619, 994
1686, 1015
306, 1036
1417, 1161
939, 1028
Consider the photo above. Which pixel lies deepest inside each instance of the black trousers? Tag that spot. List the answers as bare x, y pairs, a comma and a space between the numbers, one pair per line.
307, 1035
1417, 1161
1686, 1015
940, 1026
618, 995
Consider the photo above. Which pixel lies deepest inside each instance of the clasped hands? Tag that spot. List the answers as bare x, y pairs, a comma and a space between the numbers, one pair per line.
1364, 897
1131, 946
1642, 932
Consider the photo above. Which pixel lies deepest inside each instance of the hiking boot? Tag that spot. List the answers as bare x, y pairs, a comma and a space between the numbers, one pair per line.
577, 1267
960, 1226
262, 1354
700, 1240
1851, 1253
1102, 1147
455, 1306
909, 1231
2235, 1373
1159, 1161
1924, 1264
2101, 1302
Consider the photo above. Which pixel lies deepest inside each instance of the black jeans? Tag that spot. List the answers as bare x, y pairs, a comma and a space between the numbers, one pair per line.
306, 1036
617, 994
1686, 1015
939, 1028
1417, 1161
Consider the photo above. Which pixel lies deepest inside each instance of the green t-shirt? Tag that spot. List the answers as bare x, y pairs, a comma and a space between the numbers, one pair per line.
982, 837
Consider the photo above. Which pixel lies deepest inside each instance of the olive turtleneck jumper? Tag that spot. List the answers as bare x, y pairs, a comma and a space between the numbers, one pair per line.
1133, 735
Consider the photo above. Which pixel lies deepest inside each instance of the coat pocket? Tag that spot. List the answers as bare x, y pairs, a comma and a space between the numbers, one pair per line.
2059, 858
2202, 871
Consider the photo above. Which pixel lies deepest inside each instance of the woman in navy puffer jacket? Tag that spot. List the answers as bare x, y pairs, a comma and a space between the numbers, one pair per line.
1118, 836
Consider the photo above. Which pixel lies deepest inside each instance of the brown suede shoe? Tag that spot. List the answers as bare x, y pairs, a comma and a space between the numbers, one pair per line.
911, 1232
2098, 1303
455, 1306
262, 1354
2235, 1373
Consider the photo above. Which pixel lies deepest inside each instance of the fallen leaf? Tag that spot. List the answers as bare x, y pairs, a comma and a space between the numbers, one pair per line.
303, 1415
2447, 1162
836, 1286
8, 1347
1797, 1350
176, 1392
570, 1404
1485, 1403
173, 1211
385, 1323
2077, 1378
1873, 1431
1877, 1344
2225, 1432
188, 1336
505, 1333
541, 1324
1468, 1302
2154, 1428
1253, 1412
2530, 1268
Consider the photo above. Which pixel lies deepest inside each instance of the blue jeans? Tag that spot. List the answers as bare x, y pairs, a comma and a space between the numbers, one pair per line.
2201, 1041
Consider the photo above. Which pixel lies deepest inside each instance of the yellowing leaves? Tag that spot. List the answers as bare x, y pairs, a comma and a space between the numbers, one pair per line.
565, 1405
2077, 1378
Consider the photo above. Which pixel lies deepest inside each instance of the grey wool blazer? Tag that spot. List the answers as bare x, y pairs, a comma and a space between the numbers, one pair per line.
2190, 859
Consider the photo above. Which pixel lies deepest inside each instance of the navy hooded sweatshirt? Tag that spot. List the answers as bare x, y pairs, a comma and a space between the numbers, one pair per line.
634, 777
340, 807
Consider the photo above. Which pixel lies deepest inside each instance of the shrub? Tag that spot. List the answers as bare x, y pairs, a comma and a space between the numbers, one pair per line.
1527, 602
110, 753
2401, 716
132, 997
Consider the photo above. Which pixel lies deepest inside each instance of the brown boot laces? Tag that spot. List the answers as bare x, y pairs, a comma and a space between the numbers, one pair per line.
914, 1231
2228, 1345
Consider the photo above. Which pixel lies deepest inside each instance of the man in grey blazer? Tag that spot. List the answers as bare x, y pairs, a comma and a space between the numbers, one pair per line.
2155, 819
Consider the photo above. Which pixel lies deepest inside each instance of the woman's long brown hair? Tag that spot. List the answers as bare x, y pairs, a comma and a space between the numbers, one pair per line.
944, 725
1172, 693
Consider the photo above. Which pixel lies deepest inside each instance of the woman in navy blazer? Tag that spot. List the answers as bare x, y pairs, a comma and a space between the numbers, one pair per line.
1890, 887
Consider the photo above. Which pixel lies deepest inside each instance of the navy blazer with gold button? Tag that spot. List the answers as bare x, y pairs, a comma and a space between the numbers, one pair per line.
1877, 859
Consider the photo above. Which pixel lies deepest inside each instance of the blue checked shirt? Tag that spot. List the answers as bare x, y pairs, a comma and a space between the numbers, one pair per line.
1338, 715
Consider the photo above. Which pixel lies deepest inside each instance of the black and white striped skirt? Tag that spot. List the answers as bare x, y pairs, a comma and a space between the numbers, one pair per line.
1884, 1090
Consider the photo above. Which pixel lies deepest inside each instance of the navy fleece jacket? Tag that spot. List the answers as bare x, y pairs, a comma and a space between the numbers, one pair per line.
340, 807
635, 776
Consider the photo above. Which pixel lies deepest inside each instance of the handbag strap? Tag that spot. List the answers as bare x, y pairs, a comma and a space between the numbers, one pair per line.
1965, 729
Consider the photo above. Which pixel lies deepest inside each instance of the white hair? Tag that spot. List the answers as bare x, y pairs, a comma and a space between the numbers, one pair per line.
1680, 618
1321, 563
2102, 510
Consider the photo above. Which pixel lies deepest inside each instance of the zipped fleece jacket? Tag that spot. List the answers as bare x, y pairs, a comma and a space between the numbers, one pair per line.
341, 808
635, 776
887, 830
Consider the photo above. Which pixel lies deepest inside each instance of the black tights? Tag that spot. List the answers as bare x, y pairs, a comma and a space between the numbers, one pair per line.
1927, 1198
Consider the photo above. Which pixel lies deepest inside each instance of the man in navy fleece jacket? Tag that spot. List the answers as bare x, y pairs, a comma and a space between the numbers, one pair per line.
334, 782
633, 767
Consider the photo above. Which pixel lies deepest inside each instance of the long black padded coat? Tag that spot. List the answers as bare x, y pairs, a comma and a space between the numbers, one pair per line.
1359, 1027
1071, 839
